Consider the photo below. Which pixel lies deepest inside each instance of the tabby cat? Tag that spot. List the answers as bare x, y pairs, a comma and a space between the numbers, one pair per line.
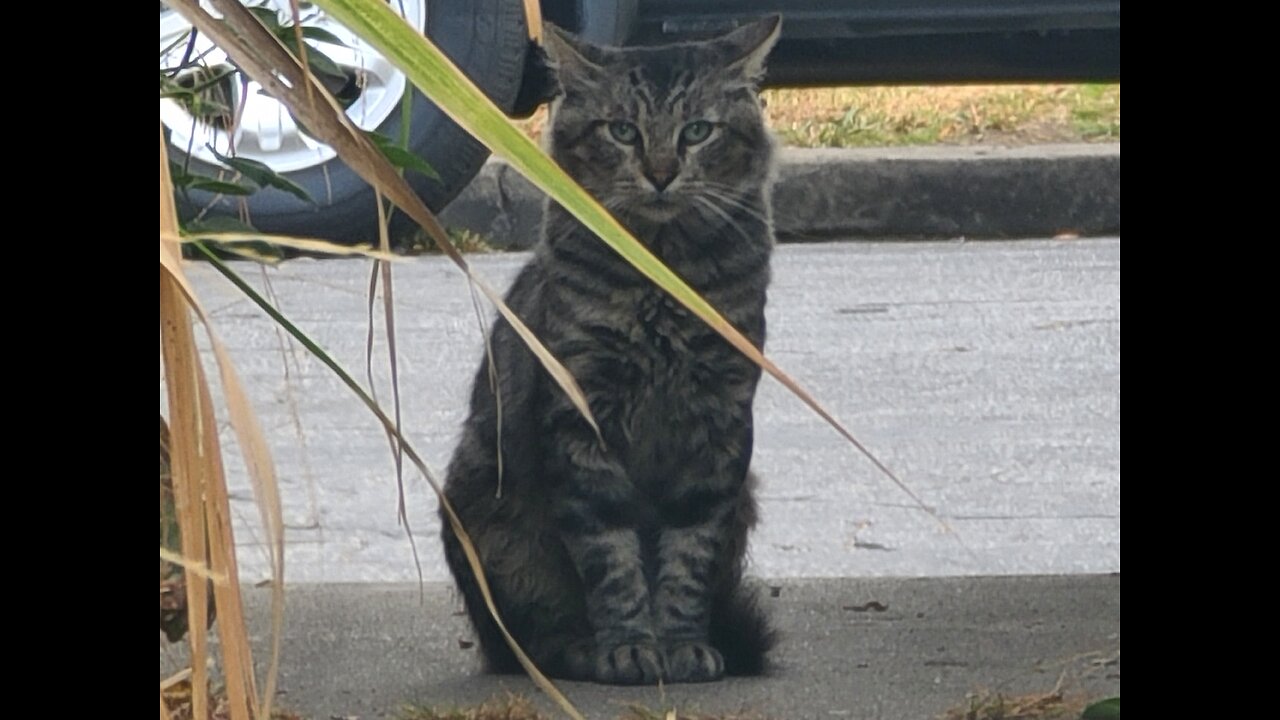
621, 561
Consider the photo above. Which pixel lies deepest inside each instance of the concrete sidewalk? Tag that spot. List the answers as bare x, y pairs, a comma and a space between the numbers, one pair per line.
986, 374
940, 192
861, 649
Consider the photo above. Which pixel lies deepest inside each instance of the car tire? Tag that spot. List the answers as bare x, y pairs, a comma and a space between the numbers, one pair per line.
488, 40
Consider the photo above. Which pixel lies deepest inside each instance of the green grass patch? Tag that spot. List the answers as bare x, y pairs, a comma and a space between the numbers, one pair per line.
893, 116
1096, 114
419, 243
935, 115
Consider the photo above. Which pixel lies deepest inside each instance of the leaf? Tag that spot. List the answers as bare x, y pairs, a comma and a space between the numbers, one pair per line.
179, 176
1108, 709
201, 106
219, 186
263, 175
197, 90
205, 78
217, 224
320, 63
321, 35
268, 17
400, 157
170, 88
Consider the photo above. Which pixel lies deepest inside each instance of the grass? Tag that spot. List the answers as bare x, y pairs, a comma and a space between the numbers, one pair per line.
980, 114
986, 705
417, 242
1066, 700
947, 115
511, 707
179, 701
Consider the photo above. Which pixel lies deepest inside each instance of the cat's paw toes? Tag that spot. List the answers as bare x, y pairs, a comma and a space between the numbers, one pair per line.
631, 664
691, 662
576, 661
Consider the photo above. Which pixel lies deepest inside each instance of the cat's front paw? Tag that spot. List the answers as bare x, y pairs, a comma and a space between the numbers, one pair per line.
631, 664
691, 662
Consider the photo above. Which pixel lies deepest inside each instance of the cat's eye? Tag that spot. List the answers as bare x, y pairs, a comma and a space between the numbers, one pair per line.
695, 132
624, 132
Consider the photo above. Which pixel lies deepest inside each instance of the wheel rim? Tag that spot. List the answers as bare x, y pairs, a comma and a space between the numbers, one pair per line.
266, 131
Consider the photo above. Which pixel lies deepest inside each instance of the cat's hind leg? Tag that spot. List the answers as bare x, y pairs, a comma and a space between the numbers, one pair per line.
540, 604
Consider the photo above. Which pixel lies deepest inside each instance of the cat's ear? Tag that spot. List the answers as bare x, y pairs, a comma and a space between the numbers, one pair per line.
569, 59
747, 47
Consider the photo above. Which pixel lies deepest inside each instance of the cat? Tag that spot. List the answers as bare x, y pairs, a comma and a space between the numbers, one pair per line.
620, 561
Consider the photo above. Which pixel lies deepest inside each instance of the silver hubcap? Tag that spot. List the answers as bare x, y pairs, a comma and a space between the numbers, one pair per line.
266, 131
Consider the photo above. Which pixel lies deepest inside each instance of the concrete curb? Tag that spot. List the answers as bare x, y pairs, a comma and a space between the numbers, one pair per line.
907, 193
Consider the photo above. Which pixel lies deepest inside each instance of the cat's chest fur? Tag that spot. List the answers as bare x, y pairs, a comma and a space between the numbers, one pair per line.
666, 390
663, 333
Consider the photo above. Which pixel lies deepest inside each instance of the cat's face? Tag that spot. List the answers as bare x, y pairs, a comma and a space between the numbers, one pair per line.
654, 132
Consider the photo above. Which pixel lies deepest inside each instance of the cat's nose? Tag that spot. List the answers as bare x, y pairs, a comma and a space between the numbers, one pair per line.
661, 175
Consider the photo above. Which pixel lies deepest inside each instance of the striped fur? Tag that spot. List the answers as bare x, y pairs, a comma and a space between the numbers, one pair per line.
621, 562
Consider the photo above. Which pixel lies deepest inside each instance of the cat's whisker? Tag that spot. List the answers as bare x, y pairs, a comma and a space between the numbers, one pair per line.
737, 203
728, 205
706, 202
734, 190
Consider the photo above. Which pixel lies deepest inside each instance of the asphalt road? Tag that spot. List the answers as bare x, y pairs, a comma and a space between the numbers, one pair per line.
986, 374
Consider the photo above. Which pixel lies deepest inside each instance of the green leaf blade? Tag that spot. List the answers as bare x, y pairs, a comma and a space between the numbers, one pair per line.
322, 35
219, 186
400, 157
262, 175
1108, 709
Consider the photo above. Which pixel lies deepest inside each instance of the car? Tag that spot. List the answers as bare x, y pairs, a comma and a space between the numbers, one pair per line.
823, 42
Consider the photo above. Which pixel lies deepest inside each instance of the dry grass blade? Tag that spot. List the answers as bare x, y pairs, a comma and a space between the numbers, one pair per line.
750, 351
257, 52
182, 675
533, 19
383, 270
193, 566
267, 498
197, 456
260, 54
234, 640
426, 65
294, 243
190, 465
185, 418
473, 559
494, 386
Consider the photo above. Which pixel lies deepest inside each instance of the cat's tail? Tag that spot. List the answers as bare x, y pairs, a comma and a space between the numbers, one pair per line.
741, 631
